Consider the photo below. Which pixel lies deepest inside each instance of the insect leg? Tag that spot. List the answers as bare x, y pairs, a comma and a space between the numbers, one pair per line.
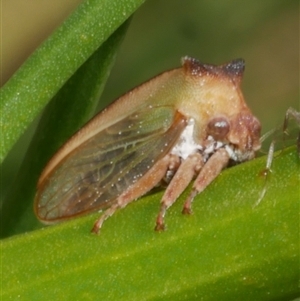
208, 173
292, 113
184, 175
142, 186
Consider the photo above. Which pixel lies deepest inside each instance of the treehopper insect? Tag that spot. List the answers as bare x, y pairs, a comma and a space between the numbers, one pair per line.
187, 123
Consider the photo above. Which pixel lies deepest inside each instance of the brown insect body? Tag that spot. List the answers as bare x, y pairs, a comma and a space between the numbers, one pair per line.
188, 122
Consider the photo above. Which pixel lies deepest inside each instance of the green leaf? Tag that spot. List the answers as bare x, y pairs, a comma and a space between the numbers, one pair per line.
52, 64
230, 248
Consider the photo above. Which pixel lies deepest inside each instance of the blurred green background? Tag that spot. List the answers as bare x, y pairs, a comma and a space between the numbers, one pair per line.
264, 33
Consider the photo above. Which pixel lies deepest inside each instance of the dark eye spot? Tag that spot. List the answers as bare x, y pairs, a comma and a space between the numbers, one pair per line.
218, 127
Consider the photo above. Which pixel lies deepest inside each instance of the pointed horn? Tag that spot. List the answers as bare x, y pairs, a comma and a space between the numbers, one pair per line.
235, 69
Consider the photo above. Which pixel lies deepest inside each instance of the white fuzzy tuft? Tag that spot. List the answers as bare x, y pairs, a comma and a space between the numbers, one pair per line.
186, 144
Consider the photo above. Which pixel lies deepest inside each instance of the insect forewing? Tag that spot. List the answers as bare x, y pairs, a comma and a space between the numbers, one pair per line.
93, 175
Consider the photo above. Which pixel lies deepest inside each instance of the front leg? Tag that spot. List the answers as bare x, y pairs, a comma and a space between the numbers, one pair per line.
291, 113
184, 175
211, 169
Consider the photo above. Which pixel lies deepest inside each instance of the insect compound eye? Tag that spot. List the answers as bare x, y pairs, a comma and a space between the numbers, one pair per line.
218, 127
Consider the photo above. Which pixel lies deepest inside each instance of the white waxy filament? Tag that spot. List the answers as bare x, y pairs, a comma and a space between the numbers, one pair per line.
186, 144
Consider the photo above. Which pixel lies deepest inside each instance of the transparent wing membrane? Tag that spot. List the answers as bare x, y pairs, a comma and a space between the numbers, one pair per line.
99, 170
